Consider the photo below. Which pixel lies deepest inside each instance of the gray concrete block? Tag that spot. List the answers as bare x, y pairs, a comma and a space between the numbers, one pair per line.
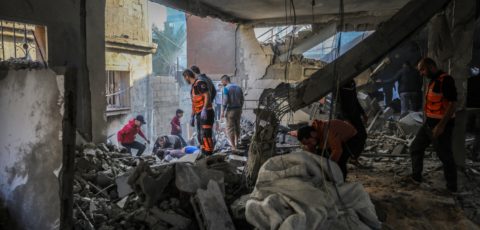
123, 188
213, 208
189, 178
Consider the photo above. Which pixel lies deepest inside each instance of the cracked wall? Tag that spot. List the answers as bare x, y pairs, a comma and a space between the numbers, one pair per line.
76, 40
31, 147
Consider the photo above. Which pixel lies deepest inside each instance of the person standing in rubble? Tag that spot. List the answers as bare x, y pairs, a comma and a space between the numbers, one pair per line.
177, 127
409, 87
202, 111
126, 136
353, 112
232, 109
440, 105
342, 140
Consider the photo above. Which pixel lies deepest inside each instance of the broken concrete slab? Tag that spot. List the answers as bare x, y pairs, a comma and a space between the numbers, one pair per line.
411, 123
122, 202
212, 208
123, 188
190, 178
188, 158
172, 218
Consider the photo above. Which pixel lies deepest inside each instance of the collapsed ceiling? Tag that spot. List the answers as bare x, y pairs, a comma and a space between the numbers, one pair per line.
272, 12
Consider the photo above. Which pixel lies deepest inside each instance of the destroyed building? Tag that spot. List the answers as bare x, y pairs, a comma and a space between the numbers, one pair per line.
72, 73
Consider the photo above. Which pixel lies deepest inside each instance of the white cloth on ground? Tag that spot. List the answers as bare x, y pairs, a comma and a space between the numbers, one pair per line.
295, 191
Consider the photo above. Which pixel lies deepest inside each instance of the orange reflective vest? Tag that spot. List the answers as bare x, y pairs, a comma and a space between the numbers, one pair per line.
198, 101
435, 102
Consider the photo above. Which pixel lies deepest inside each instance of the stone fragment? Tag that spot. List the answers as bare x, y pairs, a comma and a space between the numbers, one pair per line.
123, 188
189, 178
212, 208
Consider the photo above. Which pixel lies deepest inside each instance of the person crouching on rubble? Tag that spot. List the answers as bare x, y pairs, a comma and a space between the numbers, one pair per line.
167, 142
126, 136
343, 140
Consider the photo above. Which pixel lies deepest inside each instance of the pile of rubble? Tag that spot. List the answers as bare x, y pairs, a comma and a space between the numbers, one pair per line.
284, 142
113, 190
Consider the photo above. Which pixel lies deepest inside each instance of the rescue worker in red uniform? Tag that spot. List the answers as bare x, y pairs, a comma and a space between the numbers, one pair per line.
202, 111
440, 105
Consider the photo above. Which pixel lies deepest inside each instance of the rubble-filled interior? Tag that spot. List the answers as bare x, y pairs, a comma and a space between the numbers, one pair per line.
101, 127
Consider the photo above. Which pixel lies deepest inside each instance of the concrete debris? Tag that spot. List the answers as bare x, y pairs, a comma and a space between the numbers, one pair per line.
398, 149
212, 212
189, 178
123, 188
113, 190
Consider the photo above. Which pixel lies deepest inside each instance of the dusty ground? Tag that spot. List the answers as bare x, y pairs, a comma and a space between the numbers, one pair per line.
403, 205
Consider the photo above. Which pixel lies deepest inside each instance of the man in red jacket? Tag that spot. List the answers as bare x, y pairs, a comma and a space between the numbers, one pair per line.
126, 136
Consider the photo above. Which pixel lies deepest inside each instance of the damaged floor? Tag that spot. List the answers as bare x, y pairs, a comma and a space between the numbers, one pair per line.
401, 205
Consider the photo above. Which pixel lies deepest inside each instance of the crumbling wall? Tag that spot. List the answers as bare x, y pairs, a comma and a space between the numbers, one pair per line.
31, 147
165, 95
76, 39
258, 68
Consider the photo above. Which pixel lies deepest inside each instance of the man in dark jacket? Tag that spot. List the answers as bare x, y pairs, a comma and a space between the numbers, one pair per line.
409, 87
353, 112
126, 136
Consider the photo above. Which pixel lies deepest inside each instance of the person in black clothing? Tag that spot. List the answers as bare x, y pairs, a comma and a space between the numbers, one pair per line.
409, 87
440, 105
352, 111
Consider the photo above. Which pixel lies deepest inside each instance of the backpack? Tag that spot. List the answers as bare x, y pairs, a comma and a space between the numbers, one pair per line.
211, 87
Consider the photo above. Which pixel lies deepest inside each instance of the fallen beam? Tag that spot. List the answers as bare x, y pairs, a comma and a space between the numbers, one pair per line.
389, 35
314, 39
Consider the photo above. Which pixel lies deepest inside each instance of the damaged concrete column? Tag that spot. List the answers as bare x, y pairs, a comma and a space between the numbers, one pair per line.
450, 44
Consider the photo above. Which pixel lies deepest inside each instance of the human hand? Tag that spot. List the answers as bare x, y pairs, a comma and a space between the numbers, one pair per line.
222, 115
203, 114
148, 141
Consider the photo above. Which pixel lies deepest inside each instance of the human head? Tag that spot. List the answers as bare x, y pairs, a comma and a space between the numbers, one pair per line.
427, 67
307, 136
162, 141
195, 69
189, 76
225, 80
139, 120
179, 113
